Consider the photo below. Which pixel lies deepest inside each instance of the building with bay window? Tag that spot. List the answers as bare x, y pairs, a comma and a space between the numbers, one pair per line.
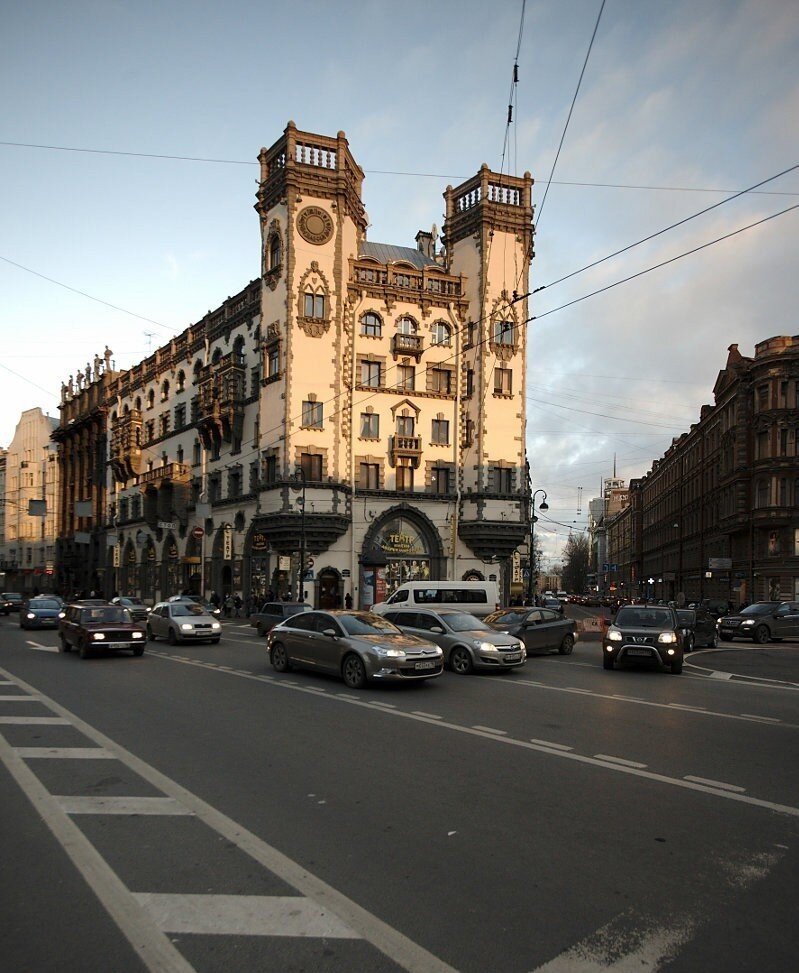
360, 405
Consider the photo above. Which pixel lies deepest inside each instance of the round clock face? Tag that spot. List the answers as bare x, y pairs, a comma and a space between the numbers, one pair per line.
315, 225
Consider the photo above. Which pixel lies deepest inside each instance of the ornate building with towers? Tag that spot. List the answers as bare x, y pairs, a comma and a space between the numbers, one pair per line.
351, 420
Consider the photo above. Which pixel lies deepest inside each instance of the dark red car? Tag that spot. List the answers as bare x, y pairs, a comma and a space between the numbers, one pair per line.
98, 628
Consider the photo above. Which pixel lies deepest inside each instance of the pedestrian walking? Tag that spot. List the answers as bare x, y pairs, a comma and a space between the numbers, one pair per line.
348, 601
237, 605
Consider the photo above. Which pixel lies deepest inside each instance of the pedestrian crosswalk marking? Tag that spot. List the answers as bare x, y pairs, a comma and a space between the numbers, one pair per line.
121, 805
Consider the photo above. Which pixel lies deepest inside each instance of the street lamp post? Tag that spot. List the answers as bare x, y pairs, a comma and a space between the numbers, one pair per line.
531, 567
300, 475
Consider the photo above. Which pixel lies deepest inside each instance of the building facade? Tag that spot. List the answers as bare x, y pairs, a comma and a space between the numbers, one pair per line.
718, 515
27, 555
355, 416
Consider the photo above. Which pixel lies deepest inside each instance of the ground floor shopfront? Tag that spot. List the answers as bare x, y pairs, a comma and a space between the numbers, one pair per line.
345, 563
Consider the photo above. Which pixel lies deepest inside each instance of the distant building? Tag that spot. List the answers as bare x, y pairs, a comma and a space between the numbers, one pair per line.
718, 515
27, 555
615, 497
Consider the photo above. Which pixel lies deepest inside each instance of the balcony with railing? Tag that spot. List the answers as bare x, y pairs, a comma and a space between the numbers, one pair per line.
220, 402
408, 447
174, 472
407, 344
407, 282
126, 456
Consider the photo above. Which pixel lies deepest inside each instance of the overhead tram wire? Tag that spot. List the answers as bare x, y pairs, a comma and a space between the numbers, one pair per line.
568, 119
384, 172
663, 263
672, 226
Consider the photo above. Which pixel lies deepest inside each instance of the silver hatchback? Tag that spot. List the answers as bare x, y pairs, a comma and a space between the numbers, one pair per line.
182, 621
468, 643
358, 646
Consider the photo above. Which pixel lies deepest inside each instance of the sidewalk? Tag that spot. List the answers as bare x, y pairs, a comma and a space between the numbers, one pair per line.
768, 665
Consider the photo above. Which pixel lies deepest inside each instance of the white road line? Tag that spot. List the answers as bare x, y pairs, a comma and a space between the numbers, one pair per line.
64, 753
717, 783
716, 674
35, 720
761, 719
554, 746
42, 648
416, 712
7, 682
243, 915
154, 948
19, 699
619, 760
510, 741
121, 805
381, 704
491, 730
405, 953
693, 709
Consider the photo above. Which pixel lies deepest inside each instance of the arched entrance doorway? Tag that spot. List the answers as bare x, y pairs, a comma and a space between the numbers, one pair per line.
411, 546
170, 568
127, 574
149, 571
329, 589
192, 566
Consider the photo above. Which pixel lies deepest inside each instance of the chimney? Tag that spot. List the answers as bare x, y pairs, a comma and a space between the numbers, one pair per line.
426, 244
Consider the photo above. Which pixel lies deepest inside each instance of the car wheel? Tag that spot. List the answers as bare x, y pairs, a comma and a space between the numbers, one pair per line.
761, 634
460, 661
567, 645
690, 644
83, 650
150, 634
354, 671
676, 666
279, 658
171, 637
607, 661
65, 646
139, 650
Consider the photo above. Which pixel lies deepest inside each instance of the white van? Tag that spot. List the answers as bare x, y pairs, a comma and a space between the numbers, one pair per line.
479, 598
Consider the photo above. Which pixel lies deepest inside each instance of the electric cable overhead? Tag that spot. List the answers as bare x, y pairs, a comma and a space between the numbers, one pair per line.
568, 119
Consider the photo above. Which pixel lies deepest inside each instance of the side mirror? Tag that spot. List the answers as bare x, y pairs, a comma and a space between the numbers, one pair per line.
437, 630
331, 632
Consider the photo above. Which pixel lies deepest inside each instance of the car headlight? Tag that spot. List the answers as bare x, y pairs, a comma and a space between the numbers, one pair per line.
138, 635
148, 609
215, 625
62, 614
485, 646
388, 653
614, 635
749, 621
186, 626
667, 637
98, 636
30, 615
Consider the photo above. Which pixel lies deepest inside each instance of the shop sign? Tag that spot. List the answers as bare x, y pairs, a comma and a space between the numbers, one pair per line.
719, 563
284, 562
150, 553
345, 573
131, 556
168, 525
260, 542
116, 555
173, 551
227, 544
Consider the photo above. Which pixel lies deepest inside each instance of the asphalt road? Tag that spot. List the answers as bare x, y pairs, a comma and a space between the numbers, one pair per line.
556, 818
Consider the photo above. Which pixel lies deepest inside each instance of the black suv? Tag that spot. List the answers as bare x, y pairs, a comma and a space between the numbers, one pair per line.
275, 612
645, 632
761, 622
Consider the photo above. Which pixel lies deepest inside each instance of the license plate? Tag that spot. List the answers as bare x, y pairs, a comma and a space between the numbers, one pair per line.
117, 645
643, 652
425, 665
512, 657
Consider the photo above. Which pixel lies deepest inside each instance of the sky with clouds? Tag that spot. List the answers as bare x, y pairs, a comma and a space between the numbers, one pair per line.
695, 100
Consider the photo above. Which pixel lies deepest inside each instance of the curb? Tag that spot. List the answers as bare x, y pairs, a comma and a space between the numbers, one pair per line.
734, 676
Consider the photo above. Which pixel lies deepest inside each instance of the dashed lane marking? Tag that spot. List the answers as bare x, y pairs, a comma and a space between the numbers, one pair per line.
64, 753
719, 792
717, 783
429, 716
761, 719
619, 760
35, 720
491, 730
553, 746
243, 915
18, 699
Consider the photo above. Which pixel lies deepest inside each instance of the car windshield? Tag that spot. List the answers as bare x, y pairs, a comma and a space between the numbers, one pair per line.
643, 617
464, 622
12, 596
509, 616
187, 608
134, 602
367, 624
112, 615
688, 617
44, 603
761, 609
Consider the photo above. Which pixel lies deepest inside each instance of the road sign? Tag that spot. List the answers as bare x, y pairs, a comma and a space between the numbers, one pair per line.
309, 562
197, 532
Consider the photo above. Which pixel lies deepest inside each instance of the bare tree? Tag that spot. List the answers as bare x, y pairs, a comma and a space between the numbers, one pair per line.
576, 555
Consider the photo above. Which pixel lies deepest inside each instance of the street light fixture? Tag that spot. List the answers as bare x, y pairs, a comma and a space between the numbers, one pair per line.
531, 566
299, 476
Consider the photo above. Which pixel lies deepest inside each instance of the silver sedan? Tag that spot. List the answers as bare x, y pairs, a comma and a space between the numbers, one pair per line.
358, 646
182, 621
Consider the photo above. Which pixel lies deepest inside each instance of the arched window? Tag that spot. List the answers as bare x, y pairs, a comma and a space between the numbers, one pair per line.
442, 333
371, 324
216, 356
314, 305
274, 252
197, 368
503, 333
138, 403
181, 381
151, 398
165, 390
126, 410
762, 494
238, 350
406, 326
